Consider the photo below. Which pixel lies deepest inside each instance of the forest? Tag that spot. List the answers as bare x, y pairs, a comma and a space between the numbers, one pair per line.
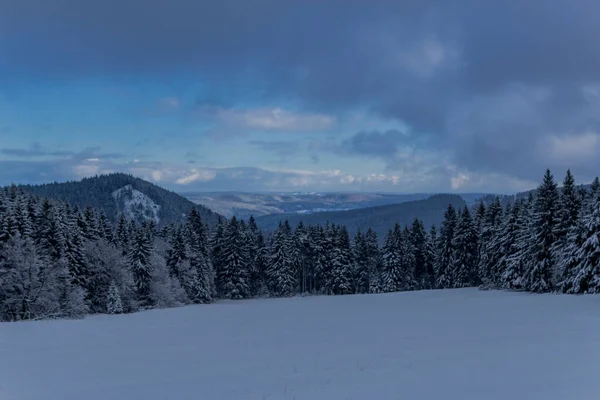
58, 260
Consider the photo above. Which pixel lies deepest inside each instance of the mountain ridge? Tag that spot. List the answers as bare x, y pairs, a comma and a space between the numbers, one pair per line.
379, 218
119, 194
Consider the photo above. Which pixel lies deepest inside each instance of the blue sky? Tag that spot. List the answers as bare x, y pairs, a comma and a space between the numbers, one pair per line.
414, 96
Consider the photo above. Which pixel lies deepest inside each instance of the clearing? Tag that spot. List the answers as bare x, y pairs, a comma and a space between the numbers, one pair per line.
448, 344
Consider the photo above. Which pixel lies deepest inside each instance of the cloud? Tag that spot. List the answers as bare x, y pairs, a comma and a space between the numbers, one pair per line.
374, 143
282, 149
36, 150
196, 176
265, 119
490, 84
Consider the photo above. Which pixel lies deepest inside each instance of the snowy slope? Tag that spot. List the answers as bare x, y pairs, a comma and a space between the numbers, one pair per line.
453, 344
135, 205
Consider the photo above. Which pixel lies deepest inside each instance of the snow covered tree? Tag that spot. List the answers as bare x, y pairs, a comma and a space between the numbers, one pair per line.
514, 243
141, 267
431, 252
199, 281
488, 243
567, 218
177, 254
233, 276
544, 219
280, 269
418, 237
569, 258
362, 273
398, 261
444, 262
113, 302
216, 249
373, 258
342, 264
28, 284
75, 259
464, 247
587, 279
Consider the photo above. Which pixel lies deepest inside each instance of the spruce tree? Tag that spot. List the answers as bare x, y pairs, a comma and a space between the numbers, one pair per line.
430, 259
488, 244
177, 254
113, 302
234, 274
141, 268
567, 218
444, 262
75, 260
362, 272
373, 257
464, 247
545, 219
418, 237
587, 279
514, 242
280, 269
391, 260
342, 264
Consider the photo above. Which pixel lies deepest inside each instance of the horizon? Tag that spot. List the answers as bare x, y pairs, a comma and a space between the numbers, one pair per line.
338, 96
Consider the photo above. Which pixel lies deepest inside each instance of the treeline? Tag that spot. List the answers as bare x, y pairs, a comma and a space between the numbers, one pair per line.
60, 261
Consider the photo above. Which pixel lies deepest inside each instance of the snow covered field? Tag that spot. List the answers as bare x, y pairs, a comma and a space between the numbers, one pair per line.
451, 344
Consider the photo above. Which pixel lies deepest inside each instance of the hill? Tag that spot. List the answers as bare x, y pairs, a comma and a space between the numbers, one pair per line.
380, 219
117, 194
430, 345
243, 205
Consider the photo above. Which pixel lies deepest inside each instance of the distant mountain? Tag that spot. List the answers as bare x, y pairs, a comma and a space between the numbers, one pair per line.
380, 219
121, 194
242, 205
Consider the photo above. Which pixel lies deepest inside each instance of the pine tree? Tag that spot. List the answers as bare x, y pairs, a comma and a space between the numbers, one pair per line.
234, 274
431, 246
514, 242
280, 270
464, 247
373, 257
587, 279
567, 218
342, 265
488, 244
200, 284
216, 248
545, 218
113, 302
122, 233
253, 235
443, 268
390, 260
570, 261
176, 255
77, 266
362, 273
321, 260
418, 237
141, 268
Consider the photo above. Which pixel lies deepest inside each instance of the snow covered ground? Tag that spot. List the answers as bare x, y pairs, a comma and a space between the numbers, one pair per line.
451, 344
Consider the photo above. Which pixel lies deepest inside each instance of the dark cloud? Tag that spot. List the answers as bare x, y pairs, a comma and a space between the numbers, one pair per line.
494, 84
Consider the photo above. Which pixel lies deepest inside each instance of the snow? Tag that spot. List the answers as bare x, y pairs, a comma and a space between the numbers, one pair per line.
451, 344
135, 205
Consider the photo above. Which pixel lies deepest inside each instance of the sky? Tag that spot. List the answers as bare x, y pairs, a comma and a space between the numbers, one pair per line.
328, 95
